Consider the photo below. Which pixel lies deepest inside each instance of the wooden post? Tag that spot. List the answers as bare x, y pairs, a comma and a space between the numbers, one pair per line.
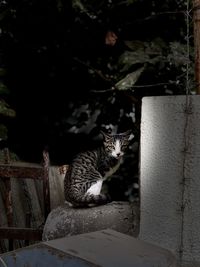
196, 16
9, 209
8, 197
46, 189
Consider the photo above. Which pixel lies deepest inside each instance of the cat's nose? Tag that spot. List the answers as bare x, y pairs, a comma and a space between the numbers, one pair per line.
118, 154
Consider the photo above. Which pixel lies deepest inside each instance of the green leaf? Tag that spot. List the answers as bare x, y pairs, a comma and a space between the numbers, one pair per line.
141, 52
128, 59
5, 110
3, 14
2, 72
3, 89
79, 6
129, 80
135, 44
178, 55
125, 2
3, 132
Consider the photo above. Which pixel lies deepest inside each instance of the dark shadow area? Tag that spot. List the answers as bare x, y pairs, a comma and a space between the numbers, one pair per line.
71, 69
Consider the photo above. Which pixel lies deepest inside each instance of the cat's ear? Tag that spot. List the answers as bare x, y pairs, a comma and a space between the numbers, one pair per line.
106, 136
129, 135
127, 132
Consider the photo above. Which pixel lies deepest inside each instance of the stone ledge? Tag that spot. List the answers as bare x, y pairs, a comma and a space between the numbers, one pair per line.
66, 221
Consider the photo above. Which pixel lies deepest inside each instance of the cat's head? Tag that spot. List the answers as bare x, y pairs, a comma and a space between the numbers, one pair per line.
116, 144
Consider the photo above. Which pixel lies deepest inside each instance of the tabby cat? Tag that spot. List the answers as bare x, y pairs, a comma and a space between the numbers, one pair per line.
84, 178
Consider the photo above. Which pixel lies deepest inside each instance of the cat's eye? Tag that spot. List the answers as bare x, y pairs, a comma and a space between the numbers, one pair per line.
124, 145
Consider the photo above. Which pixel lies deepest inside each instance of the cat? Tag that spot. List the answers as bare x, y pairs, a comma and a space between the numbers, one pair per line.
84, 178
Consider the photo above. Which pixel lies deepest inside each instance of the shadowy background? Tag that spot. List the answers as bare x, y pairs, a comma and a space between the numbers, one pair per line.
71, 69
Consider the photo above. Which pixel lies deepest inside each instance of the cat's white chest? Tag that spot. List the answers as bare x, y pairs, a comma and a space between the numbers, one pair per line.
95, 189
112, 170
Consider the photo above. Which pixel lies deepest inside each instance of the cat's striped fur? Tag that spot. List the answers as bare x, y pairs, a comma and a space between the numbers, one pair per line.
84, 178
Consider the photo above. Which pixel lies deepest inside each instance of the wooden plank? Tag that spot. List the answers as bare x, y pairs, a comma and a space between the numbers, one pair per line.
21, 233
28, 225
23, 170
16, 171
8, 202
9, 208
46, 188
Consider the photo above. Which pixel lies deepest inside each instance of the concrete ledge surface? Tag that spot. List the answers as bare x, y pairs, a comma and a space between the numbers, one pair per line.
108, 248
66, 221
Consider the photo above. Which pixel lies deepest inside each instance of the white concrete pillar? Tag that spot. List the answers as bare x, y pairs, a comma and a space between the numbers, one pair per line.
170, 175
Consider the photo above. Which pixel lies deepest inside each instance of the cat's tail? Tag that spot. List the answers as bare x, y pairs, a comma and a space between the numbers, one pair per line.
91, 200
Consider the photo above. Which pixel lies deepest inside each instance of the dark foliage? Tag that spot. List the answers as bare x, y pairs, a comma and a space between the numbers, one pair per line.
75, 68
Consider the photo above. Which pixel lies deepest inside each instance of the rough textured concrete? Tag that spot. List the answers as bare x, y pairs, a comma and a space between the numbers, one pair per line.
169, 169
108, 248
66, 221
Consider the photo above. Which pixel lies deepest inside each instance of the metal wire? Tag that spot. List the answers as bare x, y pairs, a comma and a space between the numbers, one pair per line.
188, 110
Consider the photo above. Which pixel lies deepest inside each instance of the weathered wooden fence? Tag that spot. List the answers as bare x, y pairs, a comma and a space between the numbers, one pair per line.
25, 202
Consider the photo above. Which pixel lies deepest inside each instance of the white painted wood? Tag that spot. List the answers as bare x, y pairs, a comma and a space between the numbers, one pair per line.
169, 175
